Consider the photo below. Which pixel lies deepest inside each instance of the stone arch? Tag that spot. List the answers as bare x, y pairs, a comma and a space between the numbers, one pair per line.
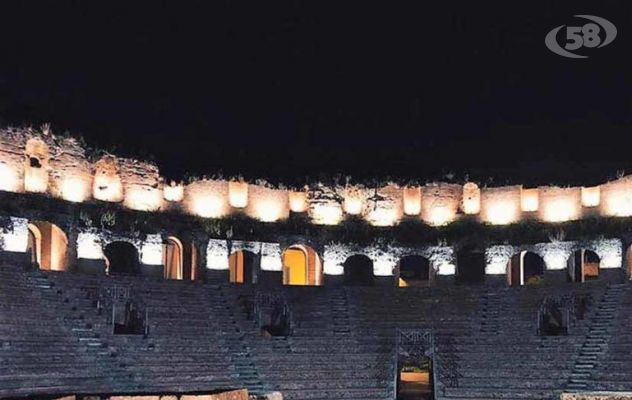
525, 268
36, 165
241, 266
358, 271
121, 258
583, 265
414, 271
301, 266
48, 245
173, 258
107, 184
470, 265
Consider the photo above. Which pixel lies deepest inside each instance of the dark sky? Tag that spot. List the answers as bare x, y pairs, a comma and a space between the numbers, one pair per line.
289, 89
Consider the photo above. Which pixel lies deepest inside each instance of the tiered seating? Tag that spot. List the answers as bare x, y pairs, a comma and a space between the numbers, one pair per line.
328, 356
40, 354
185, 350
203, 337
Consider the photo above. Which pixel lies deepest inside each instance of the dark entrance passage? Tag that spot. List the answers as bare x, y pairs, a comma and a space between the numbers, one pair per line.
470, 264
122, 259
414, 271
358, 271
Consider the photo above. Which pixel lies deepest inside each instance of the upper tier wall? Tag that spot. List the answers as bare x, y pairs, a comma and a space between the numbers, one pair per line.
40, 162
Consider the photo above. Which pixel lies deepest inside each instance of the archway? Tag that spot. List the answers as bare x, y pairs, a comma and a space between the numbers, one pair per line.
583, 265
48, 246
414, 271
525, 268
358, 271
242, 267
470, 263
301, 266
121, 258
415, 379
173, 255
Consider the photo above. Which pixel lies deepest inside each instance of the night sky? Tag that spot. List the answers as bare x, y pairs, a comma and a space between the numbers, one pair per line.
294, 89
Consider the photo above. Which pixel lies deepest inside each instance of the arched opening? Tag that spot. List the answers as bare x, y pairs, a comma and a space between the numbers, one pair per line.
36, 166
414, 379
48, 246
301, 266
173, 254
121, 258
414, 271
242, 267
525, 268
583, 265
358, 271
470, 263
34, 244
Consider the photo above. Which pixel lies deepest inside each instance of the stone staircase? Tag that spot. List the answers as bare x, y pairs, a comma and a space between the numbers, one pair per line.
596, 342
241, 353
491, 309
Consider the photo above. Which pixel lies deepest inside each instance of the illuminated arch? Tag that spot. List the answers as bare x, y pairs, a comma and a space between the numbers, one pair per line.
121, 258
302, 266
358, 271
583, 265
173, 258
414, 271
525, 268
242, 267
48, 245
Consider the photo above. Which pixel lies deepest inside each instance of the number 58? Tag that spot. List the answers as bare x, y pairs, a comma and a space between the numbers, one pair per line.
590, 37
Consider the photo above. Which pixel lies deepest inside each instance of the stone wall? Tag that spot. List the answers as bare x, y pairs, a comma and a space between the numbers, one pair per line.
38, 161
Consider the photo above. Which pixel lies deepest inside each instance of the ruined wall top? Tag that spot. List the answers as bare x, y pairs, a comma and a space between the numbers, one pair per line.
37, 161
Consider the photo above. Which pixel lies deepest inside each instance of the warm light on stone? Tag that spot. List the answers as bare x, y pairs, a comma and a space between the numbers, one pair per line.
9, 179
471, 198
440, 202
269, 210
591, 196
383, 217
440, 216
326, 214
107, 185
298, 201
238, 194
36, 180
209, 206
501, 205
75, 189
173, 192
143, 198
412, 200
559, 204
529, 200
207, 198
353, 205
